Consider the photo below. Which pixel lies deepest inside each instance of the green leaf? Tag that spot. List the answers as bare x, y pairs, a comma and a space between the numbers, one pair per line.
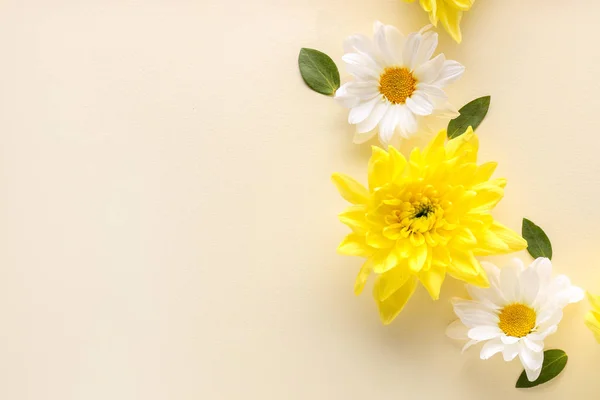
319, 71
538, 244
471, 115
554, 362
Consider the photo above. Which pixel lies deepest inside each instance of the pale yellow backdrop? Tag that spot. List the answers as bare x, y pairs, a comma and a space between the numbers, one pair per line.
167, 222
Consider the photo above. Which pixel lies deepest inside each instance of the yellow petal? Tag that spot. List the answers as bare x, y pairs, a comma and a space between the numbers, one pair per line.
463, 5
362, 277
488, 195
403, 248
354, 217
430, 6
465, 267
592, 321
464, 237
485, 172
393, 231
450, 18
513, 240
384, 260
432, 280
399, 163
391, 307
594, 301
379, 169
417, 239
389, 282
378, 241
355, 245
440, 256
350, 189
438, 142
417, 259
488, 243
480, 280
435, 152
465, 146
416, 162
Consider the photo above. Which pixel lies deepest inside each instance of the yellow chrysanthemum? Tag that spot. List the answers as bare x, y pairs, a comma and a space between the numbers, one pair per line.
449, 12
424, 218
592, 318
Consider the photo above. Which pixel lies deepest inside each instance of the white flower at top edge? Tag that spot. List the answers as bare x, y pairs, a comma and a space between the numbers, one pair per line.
516, 313
396, 82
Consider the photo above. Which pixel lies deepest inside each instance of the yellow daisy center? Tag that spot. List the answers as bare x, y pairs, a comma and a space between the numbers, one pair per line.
397, 84
517, 320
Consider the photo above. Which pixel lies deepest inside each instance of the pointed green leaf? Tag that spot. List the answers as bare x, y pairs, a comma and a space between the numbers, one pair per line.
538, 244
319, 71
554, 362
470, 115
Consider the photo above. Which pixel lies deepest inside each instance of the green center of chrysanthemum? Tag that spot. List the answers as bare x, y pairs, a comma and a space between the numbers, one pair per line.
423, 210
417, 213
517, 320
397, 84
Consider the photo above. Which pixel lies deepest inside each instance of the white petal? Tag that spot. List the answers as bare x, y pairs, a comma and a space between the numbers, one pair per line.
543, 266
377, 25
382, 44
492, 296
541, 335
427, 46
492, 271
562, 292
429, 71
411, 47
359, 59
408, 123
450, 72
395, 41
431, 91
533, 345
474, 314
361, 44
362, 137
490, 348
549, 319
518, 264
388, 124
363, 89
419, 104
362, 111
445, 110
344, 98
533, 374
361, 72
457, 331
510, 352
509, 283
530, 359
373, 119
530, 286
574, 294
509, 339
469, 344
361, 66
484, 332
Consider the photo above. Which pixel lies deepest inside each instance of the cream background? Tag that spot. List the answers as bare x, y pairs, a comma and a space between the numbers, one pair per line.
167, 223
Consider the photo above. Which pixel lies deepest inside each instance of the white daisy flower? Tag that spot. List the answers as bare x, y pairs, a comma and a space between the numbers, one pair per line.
516, 313
396, 83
